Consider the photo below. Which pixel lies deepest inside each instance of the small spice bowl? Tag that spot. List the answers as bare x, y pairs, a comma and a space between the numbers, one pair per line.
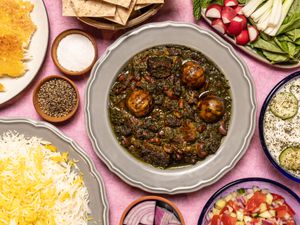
163, 210
74, 52
66, 98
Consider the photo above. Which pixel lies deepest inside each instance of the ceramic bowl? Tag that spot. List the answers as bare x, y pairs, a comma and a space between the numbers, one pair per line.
54, 52
291, 197
160, 201
180, 179
40, 111
266, 103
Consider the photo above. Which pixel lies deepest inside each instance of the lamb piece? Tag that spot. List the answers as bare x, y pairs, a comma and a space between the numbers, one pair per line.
154, 155
160, 67
165, 217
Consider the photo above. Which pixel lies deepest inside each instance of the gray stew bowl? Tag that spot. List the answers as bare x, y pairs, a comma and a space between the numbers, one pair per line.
181, 179
98, 200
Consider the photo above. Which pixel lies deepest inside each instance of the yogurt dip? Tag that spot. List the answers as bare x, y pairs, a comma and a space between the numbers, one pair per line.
280, 134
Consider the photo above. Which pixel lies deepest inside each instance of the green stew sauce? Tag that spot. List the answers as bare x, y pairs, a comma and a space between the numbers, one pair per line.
170, 106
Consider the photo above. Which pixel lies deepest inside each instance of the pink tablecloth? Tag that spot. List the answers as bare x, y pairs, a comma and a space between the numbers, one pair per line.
254, 163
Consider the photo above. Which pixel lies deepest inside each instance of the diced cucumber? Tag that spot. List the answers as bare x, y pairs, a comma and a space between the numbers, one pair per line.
220, 204
263, 207
269, 198
240, 215
289, 158
284, 105
240, 223
216, 211
228, 197
265, 214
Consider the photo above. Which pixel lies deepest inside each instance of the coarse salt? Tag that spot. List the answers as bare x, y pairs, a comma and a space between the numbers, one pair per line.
75, 52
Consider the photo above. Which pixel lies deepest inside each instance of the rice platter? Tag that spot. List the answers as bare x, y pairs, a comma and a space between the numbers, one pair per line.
39, 185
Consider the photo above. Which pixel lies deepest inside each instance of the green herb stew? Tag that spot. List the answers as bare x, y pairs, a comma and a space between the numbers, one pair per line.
170, 106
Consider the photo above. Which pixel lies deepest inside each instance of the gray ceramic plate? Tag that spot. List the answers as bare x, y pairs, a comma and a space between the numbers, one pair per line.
98, 200
250, 51
184, 179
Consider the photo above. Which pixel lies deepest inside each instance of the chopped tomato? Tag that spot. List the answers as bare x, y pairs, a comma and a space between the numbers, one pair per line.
290, 210
277, 197
255, 201
228, 220
282, 212
233, 205
215, 220
255, 221
290, 222
224, 210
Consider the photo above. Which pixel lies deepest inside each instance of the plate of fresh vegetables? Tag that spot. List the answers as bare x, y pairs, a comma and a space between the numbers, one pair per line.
268, 30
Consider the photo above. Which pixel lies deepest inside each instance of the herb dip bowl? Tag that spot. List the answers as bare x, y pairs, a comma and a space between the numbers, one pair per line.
262, 129
40, 111
273, 186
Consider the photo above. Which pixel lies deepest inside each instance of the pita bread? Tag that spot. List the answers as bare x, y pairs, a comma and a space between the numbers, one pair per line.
93, 8
122, 14
67, 8
140, 2
123, 3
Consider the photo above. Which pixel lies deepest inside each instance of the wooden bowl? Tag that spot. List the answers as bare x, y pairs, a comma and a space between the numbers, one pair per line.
152, 198
54, 51
145, 13
39, 110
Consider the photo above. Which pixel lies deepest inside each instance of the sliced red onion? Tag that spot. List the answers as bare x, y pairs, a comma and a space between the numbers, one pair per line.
165, 217
142, 213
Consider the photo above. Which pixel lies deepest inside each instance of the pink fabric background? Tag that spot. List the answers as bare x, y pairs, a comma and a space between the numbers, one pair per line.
254, 163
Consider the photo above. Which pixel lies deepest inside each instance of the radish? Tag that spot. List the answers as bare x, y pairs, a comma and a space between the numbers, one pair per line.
230, 3
227, 14
242, 38
219, 25
213, 11
253, 33
236, 25
238, 9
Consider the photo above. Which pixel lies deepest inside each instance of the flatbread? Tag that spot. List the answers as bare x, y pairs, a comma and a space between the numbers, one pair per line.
122, 14
123, 3
16, 30
140, 2
67, 8
138, 7
93, 8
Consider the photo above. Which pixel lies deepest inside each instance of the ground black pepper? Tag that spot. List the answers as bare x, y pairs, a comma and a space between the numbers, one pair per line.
57, 98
